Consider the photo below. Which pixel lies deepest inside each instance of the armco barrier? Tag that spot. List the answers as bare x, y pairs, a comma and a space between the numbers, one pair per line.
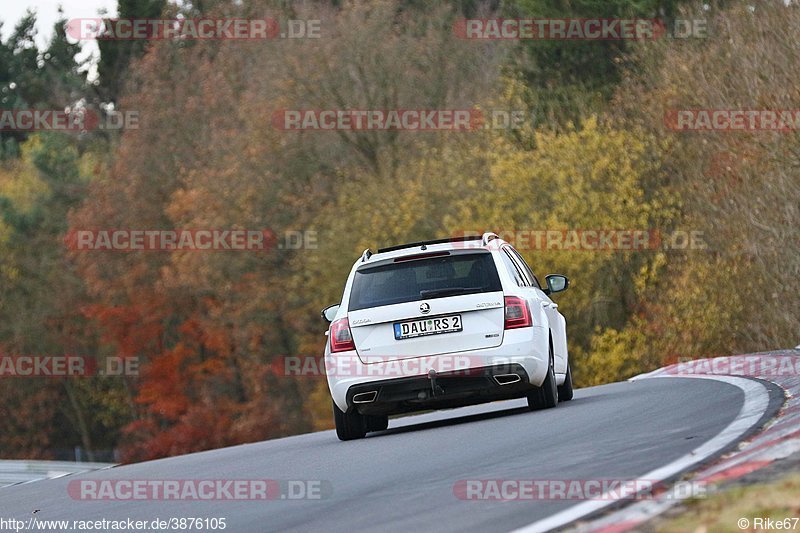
13, 471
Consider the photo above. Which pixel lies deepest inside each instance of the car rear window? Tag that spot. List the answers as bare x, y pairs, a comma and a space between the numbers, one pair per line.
423, 279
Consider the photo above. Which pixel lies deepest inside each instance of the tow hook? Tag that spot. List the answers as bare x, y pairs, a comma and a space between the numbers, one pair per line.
436, 390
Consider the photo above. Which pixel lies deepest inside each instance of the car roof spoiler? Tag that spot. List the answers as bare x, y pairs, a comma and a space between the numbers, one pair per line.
485, 239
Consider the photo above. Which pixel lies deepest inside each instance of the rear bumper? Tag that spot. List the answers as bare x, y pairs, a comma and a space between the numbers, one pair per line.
451, 389
463, 378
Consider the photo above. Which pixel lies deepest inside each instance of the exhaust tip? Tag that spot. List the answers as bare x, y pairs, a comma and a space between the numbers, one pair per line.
365, 397
507, 379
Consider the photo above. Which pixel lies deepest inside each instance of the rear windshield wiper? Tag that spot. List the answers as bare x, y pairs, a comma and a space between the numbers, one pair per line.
430, 293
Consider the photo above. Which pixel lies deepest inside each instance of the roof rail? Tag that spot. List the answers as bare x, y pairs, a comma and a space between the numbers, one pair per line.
426, 243
366, 255
488, 236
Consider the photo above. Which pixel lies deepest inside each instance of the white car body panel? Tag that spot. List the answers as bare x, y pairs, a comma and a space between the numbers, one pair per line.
483, 342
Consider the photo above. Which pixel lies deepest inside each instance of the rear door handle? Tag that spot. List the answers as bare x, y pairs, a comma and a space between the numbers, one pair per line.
545, 304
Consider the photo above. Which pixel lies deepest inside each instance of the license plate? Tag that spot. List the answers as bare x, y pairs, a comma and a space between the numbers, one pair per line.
427, 326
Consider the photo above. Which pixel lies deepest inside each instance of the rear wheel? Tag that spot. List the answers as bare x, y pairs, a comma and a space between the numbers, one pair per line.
349, 426
377, 422
565, 390
545, 396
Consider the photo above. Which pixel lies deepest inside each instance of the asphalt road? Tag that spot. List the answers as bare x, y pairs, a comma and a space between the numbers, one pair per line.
402, 479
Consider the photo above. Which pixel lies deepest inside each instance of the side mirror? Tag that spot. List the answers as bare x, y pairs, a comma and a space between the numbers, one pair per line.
556, 283
330, 312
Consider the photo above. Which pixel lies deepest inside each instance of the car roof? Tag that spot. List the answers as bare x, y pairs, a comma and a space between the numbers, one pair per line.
470, 242
428, 243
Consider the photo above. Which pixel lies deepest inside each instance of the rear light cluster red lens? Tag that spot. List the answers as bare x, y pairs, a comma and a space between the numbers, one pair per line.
341, 338
517, 313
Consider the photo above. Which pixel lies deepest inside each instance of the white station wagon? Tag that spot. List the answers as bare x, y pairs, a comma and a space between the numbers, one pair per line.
442, 324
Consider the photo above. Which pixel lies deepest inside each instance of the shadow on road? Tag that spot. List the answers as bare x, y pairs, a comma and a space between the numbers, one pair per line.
466, 419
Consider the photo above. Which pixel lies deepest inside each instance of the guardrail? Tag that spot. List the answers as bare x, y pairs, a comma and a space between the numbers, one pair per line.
22, 471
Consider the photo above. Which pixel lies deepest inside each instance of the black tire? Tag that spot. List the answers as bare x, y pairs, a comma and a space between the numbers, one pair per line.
349, 426
377, 422
565, 390
546, 396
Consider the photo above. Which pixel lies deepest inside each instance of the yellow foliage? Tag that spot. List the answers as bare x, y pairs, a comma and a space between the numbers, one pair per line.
19, 181
594, 177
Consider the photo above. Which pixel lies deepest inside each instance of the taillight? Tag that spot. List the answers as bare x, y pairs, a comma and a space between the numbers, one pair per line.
341, 338
517, 313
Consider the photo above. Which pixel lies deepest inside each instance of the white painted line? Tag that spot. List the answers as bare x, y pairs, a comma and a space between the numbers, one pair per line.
756, 401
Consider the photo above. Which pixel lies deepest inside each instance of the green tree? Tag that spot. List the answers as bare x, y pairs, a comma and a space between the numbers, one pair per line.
567, 79
34, 78
117, 55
